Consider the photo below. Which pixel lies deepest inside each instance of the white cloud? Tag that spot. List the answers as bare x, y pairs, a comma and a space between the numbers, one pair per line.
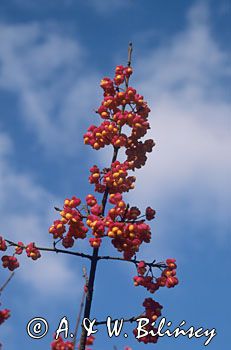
45, 69
26, 212
5, 145
50, 275
186, 81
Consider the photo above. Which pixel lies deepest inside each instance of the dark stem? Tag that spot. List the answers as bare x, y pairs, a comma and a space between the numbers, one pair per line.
89, 296
6, 283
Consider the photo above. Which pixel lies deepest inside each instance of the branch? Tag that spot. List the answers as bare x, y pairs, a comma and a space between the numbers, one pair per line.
130, 49
80, 309
160, 265
55, 250
6, 283
85, 276
82, 216
131, 319
89, 296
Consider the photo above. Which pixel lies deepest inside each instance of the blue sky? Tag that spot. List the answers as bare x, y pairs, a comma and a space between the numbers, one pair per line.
52, 56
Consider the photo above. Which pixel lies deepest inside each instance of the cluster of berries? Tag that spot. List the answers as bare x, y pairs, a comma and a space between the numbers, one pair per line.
152, 312
105, 134
129, 237
10, 261
90, 341
95, 221
127, 234
72, 217
121, 223
115, 179
117, 99
4, 315
150, 213
109, 86
122, 73
32, 252
136, 152
3, 245
168, 277
120, 107
60, 344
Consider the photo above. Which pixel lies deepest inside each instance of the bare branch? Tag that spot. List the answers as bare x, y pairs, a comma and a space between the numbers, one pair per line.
160, 265
79, 319
6, 283
131, 319
85, 275
130, 49
55, 250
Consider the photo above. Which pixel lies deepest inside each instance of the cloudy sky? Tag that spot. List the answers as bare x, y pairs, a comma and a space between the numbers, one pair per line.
52, 56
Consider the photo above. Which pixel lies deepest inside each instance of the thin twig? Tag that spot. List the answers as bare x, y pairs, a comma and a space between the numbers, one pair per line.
57, 209
79, 319
131, 319
85, 275
130, 49
134, 261
160, 265
6, 283
55, 250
